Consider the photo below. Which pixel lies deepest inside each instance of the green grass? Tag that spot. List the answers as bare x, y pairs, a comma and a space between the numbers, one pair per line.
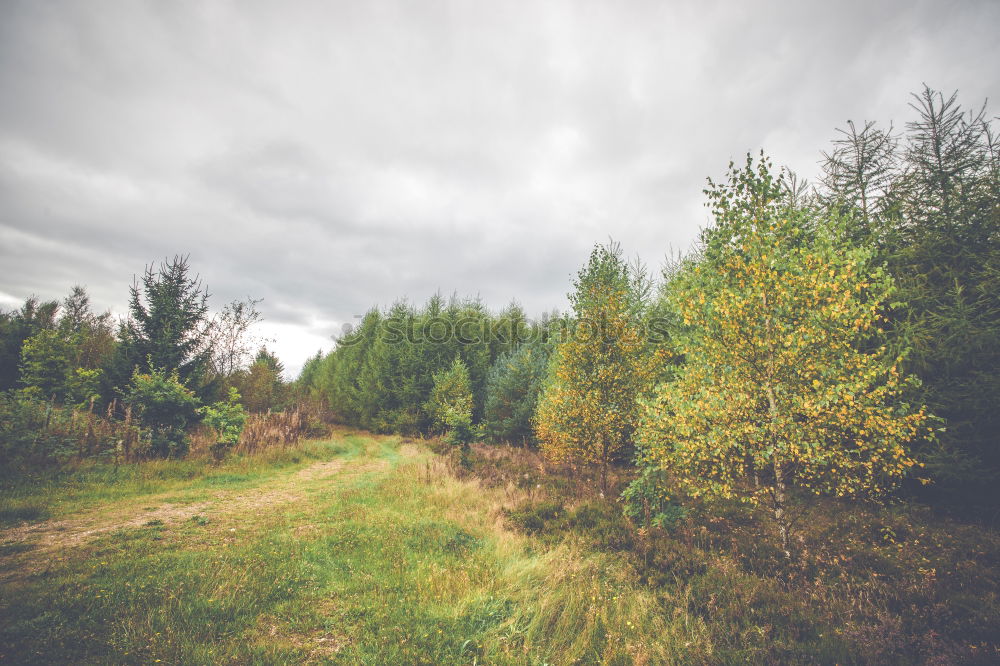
388, 560
22, 512
366, 549
63, 492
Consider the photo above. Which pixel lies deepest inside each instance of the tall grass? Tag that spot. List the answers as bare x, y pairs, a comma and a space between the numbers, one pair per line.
37, 432
389, 561
373, 551
285, 428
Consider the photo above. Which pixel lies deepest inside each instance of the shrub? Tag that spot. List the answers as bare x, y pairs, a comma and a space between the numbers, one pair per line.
460, 430
34, 431
646, 501
602, 524
27, 434
534, 518
227, 420
166, 406
451, 397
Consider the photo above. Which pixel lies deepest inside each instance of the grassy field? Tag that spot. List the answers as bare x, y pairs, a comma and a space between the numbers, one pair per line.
359, 549
369, 549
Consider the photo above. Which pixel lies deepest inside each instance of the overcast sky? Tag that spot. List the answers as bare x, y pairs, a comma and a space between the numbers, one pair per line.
327, 156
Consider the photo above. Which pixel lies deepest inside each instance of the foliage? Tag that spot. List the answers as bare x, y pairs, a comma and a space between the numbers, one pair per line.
166, 406
460, 432
83, 386
227, 420
858, 174
381, 374
261, 385
231, 343
782, 384
450, 402
167, 328
63, 358
589, 407
646, 499
90, 334
36, 432
46, 363
27, 434
512, 389
15, 328
930, 199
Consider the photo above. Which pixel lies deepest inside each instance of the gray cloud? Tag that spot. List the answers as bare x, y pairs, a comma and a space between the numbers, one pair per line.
330, 156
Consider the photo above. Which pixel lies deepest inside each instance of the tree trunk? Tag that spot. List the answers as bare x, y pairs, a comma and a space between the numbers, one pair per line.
779, 483
779, 507
604, 470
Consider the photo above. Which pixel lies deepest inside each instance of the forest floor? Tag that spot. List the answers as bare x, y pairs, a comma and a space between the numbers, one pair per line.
378, 550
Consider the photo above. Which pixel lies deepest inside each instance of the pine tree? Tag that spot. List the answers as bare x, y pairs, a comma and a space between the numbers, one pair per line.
261, 386
512, 390
937, 228
167, 327
860, 173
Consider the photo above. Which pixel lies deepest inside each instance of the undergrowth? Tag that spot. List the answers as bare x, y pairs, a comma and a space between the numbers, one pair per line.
396, 555
869, 584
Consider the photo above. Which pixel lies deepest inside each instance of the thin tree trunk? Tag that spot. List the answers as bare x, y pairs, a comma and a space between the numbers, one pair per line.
604, 470
779, 507
779, 484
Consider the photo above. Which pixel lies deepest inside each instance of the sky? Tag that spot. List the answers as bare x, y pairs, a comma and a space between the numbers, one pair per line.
329, 156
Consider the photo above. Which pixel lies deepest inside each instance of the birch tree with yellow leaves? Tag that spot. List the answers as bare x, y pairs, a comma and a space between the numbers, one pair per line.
589, 408
786, 382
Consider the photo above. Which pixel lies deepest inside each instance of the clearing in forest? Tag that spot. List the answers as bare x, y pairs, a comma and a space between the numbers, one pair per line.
358, 549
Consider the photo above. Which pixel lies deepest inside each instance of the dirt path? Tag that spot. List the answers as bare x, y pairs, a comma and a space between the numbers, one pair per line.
42, 541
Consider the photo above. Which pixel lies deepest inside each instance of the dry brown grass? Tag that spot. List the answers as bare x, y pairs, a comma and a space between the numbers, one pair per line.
280, 429
272, 429
892, 583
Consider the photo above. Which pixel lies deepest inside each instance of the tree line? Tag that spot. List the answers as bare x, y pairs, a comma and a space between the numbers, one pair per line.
168, 364
401, 369
836, 338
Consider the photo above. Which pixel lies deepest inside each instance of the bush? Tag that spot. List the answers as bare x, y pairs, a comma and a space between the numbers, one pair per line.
403, 421
166, 406
451, 397
666, 560
35, 431
602, 524
534, 518
29, 431
460, 430
646, 502
227, 420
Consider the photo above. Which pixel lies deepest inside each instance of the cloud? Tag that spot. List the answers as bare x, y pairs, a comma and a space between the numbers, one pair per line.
331, 156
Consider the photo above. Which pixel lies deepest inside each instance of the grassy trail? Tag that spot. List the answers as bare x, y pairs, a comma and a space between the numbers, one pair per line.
360, 549
49, 539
